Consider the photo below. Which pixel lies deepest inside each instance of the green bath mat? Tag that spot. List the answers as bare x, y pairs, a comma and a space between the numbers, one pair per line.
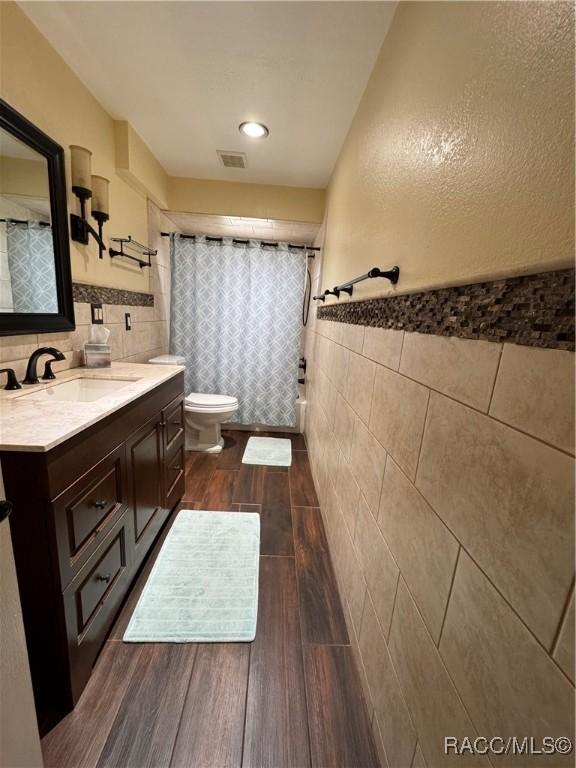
203, 587
271, 451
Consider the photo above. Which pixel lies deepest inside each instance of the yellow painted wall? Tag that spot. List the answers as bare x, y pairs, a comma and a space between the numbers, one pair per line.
262, 201
35, 80
138, 166
459, 164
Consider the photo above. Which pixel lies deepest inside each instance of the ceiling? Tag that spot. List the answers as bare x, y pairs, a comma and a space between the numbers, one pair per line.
185, 74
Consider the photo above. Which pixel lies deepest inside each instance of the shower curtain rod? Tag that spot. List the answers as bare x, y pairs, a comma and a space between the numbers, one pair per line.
243, 241
26, 221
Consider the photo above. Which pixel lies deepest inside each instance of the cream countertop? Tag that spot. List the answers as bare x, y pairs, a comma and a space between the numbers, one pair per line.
39, 425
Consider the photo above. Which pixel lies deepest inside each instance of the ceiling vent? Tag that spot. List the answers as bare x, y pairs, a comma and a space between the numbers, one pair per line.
232, 159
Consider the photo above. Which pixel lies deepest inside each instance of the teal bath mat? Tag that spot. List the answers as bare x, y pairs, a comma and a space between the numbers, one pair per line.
272, 451
203, 587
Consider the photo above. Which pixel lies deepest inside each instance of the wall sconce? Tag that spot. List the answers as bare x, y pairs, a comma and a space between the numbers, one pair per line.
80, 229
100, 206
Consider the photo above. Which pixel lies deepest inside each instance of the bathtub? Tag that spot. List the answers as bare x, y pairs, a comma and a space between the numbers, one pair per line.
299, 428
301, 414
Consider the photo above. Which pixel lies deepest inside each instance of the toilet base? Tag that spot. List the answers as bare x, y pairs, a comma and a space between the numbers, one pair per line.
207, 447
207, 440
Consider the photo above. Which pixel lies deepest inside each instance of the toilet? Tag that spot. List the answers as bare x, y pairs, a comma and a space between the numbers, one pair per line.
203, 413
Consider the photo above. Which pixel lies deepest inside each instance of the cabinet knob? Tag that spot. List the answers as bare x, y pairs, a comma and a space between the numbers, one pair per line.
100, 503
5, 509
105, 579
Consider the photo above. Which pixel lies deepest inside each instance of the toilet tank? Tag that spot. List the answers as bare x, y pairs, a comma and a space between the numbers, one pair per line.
168, 360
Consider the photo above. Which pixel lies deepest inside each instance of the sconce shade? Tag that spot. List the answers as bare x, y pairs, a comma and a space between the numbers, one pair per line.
100, 195
81, 167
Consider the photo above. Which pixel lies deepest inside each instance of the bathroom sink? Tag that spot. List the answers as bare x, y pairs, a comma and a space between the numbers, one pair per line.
81, 390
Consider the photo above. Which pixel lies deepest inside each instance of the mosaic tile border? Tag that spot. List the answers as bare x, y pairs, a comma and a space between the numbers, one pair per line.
533, 310
98, 294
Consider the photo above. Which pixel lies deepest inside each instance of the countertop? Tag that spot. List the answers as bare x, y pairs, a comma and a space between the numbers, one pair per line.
39, 425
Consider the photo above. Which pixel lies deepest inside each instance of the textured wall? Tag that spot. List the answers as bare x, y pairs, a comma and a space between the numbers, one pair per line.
445, 466
459, 165
445, 473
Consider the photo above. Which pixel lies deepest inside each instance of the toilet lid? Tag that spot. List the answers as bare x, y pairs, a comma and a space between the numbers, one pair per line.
206, 401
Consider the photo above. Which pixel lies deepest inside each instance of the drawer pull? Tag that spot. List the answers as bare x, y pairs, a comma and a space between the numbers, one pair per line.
105, 579
100, 504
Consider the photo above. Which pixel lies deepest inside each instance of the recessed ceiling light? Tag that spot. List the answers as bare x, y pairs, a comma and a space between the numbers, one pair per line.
254, 130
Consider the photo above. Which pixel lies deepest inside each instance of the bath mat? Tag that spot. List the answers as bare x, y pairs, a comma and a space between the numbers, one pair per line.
273, 451
203, 587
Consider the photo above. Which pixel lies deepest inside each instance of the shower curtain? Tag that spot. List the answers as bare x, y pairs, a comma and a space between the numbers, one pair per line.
32, 270
236, 318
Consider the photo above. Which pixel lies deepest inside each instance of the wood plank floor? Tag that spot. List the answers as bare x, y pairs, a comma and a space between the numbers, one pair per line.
290, 699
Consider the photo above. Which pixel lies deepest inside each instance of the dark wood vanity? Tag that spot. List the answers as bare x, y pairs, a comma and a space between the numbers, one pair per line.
86, 514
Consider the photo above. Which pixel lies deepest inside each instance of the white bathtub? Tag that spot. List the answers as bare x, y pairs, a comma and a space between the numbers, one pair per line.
299, 428
301, 414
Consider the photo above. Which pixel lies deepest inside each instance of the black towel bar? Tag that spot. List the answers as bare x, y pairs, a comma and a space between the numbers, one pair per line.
391, 274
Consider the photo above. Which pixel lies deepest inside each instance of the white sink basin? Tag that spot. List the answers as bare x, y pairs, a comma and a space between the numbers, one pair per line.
81, 390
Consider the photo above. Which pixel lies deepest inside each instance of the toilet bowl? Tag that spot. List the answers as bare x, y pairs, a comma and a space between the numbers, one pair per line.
203, 414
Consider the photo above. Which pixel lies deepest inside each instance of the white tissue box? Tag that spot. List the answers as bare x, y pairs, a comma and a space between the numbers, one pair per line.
97, 355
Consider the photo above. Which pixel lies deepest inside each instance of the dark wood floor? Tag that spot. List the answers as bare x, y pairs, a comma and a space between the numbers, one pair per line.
290, 699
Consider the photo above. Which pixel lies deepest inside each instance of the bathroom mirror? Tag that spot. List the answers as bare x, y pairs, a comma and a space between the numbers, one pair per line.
35, 278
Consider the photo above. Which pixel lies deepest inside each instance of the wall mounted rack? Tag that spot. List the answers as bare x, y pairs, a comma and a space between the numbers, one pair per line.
134, 245
391, 274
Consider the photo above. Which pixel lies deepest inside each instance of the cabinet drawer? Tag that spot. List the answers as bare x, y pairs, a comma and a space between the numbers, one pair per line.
100, 580
86, 510
173, 422
174, 471
93, 598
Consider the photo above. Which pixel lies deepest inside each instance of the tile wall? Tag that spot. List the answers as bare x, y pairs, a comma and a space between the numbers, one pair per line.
150, 325
445, 471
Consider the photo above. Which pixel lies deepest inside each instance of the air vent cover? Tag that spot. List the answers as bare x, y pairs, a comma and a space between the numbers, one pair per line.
232, 159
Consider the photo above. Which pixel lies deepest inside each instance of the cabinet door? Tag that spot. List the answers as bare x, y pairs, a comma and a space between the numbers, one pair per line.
144, 452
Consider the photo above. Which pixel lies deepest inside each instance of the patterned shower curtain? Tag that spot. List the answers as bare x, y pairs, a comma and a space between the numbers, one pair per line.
236, 318
32, 270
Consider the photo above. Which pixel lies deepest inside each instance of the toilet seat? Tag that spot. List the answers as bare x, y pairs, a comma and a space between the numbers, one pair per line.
206, 403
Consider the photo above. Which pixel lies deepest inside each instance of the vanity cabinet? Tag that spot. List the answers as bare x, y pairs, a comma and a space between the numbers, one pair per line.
86, 514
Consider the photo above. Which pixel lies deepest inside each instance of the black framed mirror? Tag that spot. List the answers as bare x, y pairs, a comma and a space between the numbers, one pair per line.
35, 274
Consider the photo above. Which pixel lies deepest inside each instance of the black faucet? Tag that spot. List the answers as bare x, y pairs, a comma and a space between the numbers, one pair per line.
11, 380
31, 374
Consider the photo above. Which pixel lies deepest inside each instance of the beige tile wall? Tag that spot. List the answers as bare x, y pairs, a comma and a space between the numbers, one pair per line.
148, 338
445, 471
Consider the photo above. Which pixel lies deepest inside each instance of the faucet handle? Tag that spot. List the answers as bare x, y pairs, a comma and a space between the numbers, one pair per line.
48, 372
11, 380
